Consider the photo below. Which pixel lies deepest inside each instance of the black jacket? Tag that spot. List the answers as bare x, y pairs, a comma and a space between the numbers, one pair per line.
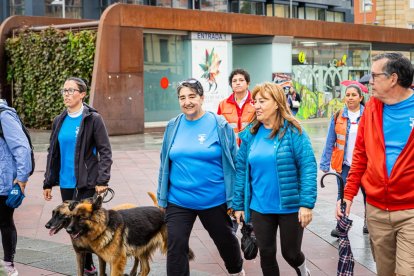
90, 169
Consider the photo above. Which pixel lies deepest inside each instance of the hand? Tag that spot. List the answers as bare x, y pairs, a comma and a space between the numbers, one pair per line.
100, 189
304, 216
238, 215
21, 184
339, 213
47, 194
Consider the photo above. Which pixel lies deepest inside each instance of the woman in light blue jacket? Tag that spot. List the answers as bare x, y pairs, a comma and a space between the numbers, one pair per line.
15, 167
196, 179
275, 179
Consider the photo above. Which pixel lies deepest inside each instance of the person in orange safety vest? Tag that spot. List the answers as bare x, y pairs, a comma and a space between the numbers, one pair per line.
237, 108
341, 138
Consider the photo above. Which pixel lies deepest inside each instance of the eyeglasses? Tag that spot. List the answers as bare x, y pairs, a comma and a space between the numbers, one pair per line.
69, 91
374, 75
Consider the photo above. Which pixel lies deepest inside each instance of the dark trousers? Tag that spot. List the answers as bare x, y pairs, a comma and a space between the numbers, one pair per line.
8, 230
344, 174
74, 194
291, 233
218, 224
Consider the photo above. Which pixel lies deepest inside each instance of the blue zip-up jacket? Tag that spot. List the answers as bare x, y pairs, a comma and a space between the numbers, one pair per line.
296, 168
229, 151
331, 139
15, 151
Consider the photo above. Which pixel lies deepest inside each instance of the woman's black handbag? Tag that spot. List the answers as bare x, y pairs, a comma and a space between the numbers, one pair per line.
248, 242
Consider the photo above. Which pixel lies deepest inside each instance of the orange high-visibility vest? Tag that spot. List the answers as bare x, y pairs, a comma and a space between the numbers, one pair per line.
338, 152
237, 118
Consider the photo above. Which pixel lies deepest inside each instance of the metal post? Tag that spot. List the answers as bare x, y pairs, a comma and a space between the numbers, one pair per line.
290, 9
63, 9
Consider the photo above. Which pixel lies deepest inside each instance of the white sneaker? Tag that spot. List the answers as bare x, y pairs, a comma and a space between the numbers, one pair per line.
241, 273
11, 270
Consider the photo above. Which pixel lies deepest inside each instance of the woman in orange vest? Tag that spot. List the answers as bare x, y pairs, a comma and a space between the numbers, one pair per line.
340, 141
238, 109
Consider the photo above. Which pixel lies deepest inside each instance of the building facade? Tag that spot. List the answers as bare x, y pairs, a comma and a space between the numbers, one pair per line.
139, 61
389, 13
329, 10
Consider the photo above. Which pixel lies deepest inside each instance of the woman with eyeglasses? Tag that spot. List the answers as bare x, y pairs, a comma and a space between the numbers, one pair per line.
341, 138
196, 180
79, 156
275, 184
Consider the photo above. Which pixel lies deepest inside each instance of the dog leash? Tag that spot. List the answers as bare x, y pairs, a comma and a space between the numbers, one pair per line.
105, 194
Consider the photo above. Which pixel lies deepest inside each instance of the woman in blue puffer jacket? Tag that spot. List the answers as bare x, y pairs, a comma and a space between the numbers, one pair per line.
275, 179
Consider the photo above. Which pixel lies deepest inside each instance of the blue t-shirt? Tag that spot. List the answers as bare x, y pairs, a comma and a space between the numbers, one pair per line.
397, 123
264, 176
67, 143
196, 173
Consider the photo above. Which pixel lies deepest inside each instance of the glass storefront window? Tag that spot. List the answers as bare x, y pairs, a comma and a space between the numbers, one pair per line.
166, 57
180, 4
249, 7
138, 2
16, 7
221, 5
73, 9
214, 5
282, 11
319, 67
311, 13
332, 16
163, 3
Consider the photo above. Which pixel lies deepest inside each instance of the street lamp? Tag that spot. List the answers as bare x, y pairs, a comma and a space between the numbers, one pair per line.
62, 3
367, 3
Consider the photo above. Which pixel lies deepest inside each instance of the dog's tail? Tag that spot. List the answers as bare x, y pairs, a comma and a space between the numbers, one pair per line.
154, 198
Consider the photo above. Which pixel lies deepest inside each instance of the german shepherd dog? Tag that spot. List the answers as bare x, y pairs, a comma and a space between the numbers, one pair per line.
61, 217
116, 235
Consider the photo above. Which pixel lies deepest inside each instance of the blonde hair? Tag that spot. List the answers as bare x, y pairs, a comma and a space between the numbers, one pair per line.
274, 91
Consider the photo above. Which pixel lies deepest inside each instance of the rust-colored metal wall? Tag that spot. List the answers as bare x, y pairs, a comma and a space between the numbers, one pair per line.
117, 83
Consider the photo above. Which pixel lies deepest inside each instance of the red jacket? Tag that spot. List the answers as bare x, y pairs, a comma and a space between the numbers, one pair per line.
368, 169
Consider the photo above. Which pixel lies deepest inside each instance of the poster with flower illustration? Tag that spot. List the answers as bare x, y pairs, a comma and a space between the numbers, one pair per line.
211, 65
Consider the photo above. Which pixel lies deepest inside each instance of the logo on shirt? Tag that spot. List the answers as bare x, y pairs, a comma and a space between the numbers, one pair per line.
201, 138
76, 131
412, 122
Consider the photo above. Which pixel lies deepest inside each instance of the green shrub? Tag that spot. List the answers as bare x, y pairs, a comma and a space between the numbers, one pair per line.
38, 63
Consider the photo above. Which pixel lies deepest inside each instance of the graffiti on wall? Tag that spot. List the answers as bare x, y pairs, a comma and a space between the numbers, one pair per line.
319, 89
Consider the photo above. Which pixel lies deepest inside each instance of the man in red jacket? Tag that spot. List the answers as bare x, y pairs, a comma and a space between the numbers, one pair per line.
383, 163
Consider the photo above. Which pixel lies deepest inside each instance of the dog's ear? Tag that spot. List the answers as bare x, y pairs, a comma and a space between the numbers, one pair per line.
97, 203
72, 204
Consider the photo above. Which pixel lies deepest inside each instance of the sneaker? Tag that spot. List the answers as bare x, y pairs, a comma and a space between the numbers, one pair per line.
241, 273
11, 270
90, 272
334, 233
